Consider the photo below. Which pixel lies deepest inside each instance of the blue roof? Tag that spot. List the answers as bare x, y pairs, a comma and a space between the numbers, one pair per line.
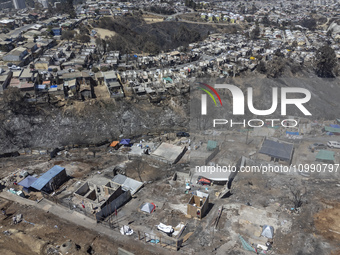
125, 141
27, 182
46, 177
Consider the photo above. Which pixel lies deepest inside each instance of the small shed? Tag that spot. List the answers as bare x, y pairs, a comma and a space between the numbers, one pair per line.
27, 182
212, 145
325, 156
198, 205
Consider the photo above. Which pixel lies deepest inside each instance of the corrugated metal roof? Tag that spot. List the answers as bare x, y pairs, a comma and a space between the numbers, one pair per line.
325, 155
332, 129
27, 182
127, 183
283, 151
46, 177
211, 145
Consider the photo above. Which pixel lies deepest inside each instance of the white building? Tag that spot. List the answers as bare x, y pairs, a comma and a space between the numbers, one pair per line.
19, 4
44, 3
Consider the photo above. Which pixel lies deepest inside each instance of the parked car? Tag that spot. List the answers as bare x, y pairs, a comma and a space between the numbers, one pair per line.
317, 146
14, 67
333, 144
183, 134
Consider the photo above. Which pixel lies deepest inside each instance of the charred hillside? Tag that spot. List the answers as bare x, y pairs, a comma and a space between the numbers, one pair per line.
134, 34
90, 122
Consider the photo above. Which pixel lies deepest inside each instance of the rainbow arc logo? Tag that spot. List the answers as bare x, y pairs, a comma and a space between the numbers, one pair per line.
204, 96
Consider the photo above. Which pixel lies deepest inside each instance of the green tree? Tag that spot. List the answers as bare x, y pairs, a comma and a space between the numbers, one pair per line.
70, 9
83, 29
261, 67
330, 32
15, 101
294, 44
67, 35
267, 45
325, 61
84, 38
104, 69
309, 23
255, 33
95, 69
151, 48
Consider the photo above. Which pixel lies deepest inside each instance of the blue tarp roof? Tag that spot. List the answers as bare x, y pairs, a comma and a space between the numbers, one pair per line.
46, 177
27, 182
42, 86
292, 133
125, 141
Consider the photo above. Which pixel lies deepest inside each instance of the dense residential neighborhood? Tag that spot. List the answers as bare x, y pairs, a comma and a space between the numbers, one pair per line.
40, 45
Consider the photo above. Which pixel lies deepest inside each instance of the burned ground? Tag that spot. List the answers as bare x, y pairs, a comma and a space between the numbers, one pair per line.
134, 33
88, 122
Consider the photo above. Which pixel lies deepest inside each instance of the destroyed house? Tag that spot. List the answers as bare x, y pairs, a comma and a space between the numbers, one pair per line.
169, 153
198, 205
102, 200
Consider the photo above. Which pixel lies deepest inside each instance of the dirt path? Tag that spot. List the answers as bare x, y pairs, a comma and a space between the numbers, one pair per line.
56, 225
104, 32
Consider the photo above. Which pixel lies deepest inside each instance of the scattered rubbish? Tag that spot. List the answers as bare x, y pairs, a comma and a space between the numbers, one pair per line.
178, 230
7, 233
28, 222
165, 228
217, 219
262, 247
19, 218
126, 230
52, 251
248, 247
154, 241
55, 226
19, 193
186, 237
